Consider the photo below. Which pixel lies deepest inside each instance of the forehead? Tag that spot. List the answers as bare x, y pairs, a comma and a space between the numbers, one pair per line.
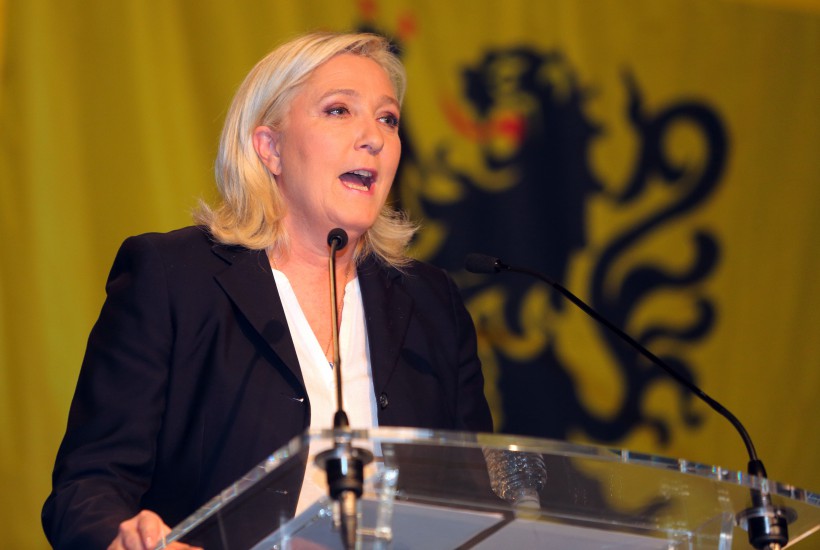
350, 71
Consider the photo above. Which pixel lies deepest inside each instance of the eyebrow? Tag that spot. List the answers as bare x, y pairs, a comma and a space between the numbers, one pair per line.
385, 99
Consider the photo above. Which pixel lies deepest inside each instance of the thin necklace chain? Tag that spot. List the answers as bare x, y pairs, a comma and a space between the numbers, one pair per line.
339, 307
340, 303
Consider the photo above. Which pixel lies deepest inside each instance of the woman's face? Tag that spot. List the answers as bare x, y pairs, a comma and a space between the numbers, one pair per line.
336, 153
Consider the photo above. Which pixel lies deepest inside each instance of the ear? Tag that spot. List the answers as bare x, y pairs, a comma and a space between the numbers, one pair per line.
266, 145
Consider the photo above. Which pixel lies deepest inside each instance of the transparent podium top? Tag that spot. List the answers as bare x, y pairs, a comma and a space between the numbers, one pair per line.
438, 489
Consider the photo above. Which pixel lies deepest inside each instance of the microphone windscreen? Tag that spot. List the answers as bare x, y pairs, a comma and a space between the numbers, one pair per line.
339, 235
481, 263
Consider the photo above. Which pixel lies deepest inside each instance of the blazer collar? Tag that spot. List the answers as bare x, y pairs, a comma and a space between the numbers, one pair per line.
248, 281
387, 310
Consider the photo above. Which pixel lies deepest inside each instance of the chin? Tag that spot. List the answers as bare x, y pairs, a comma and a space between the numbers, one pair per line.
358, 226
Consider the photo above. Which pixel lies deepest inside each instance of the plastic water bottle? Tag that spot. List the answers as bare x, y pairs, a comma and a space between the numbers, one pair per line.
516, 476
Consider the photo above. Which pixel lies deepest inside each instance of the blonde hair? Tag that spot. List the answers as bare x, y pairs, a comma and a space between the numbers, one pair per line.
251, 209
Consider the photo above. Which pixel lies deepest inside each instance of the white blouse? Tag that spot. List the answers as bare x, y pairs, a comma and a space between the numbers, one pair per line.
357, 379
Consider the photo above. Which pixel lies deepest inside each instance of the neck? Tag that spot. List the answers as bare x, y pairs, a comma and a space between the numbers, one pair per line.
308, 275
308, 251
307, 262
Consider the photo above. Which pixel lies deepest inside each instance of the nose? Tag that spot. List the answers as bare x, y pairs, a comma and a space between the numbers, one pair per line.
370, 137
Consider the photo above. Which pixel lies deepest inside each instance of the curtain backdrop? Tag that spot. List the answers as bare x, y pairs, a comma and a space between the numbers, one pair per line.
660, 159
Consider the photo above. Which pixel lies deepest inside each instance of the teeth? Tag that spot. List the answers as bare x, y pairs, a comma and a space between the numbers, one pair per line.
363, 179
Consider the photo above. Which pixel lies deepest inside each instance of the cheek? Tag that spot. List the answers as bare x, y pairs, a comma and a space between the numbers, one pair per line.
393, 156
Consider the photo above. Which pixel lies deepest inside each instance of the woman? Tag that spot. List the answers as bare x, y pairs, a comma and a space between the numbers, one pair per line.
213, 345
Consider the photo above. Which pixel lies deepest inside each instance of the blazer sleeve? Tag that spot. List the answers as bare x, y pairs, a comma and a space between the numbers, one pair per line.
473, 412
106, 459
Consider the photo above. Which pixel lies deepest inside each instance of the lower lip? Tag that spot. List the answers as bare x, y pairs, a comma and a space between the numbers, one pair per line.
361, 189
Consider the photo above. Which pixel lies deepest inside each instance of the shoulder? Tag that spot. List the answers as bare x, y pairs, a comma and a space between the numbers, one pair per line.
426, 277
424, 282
415, 273
176, 241
179, 255
186, 247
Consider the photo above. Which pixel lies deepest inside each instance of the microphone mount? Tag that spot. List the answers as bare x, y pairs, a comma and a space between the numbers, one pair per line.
766, 524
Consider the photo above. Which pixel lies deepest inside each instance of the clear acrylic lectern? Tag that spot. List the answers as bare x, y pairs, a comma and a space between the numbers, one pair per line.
444, 490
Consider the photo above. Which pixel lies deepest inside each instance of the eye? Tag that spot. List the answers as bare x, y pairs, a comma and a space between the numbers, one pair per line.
337, 110
390, 119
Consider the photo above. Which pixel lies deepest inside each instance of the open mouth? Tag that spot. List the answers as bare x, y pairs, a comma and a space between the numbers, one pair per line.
361, 180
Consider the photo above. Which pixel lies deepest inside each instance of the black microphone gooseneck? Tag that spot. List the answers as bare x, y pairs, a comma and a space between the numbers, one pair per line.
344, 464
767, 526
337, 239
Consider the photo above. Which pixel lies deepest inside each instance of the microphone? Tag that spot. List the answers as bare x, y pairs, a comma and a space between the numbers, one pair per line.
767, 525
343, 464
339, 236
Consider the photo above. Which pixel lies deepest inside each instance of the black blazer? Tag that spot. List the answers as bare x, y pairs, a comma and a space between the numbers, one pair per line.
190, 378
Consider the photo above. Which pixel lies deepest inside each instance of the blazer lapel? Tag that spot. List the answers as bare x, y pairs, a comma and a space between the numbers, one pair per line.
250, 285
387, 310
